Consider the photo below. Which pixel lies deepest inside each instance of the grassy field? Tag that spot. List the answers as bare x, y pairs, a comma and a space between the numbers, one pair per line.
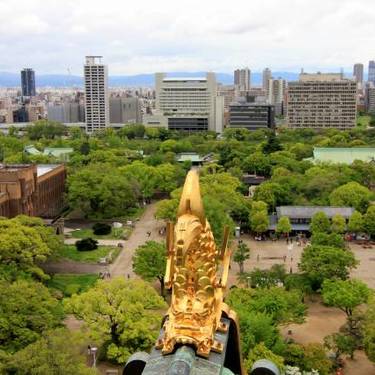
93, 256
69, 284
116, 234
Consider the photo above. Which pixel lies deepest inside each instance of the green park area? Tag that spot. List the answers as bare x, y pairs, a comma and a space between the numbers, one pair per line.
92, 256
113, 173
116, 234
69, 284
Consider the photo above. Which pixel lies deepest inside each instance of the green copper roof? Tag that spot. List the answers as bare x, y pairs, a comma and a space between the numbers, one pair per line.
32, 150
57, 152
192, 156
344, 155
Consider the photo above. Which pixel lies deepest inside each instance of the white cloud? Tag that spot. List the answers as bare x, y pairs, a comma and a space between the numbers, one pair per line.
148, 35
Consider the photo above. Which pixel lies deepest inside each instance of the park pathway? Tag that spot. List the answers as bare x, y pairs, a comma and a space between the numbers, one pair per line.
122, 266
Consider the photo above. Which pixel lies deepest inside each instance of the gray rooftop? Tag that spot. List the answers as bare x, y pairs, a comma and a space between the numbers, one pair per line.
309, 211
45, 168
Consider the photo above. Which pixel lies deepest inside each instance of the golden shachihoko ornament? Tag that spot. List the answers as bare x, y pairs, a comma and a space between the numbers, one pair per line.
197, 271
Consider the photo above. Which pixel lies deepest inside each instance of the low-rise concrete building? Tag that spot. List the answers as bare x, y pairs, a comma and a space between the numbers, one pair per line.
300, 216
251, 116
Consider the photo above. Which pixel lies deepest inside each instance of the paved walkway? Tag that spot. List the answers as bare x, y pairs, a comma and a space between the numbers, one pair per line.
123, 263
147, 223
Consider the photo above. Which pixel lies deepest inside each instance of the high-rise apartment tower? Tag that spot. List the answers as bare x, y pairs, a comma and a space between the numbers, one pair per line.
371, 71
96, 94
242, 79
358, 73
267, 75
28, 82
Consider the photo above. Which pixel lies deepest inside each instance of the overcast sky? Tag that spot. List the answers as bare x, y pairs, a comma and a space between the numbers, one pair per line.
145, 36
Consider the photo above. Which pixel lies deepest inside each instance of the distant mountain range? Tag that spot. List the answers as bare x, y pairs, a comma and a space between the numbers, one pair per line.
139, 80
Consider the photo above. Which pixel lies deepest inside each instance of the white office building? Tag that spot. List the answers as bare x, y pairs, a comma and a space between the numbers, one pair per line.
276, 94
188, 104
96, 94
266, 76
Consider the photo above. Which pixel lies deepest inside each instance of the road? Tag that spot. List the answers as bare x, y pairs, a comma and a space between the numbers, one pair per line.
122, 266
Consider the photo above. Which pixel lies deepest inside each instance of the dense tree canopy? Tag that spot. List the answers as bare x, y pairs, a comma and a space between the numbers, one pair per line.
128, 316
326, 262
24, 243
149, 262
351, 194
27, 310
57, 352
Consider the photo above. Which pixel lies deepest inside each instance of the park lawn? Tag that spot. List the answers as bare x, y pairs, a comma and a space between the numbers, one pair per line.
93, 256
69, 284
363, 121
116, 234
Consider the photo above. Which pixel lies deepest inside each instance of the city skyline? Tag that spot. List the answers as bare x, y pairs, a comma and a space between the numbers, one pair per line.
185, 36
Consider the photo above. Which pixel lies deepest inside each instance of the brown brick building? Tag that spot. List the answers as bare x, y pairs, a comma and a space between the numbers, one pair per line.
34, 190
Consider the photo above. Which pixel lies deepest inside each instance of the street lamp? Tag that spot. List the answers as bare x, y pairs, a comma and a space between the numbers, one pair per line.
93, 352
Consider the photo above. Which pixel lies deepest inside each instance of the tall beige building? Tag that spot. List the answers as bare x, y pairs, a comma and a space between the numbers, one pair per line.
322, 101
96, 94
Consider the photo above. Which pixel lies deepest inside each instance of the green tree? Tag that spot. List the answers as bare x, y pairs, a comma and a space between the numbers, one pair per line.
102, 191
266, 278
345, 295
166, 209
328, 239
260, 351
241, 254
273, 144
259, 222
283, 306
149, 262
124, 313
351, 194
45, 129
256, 328
147, 177
355, 224
368, 330
326, 262
338, 224
320, 223
283, 226
57, 352
341, 344
257, 163
369, 221
27, 310
24, 244
315, 358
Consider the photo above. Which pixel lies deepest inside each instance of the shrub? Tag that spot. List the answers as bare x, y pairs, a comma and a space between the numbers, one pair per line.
101, 229
86, 244
72, 289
